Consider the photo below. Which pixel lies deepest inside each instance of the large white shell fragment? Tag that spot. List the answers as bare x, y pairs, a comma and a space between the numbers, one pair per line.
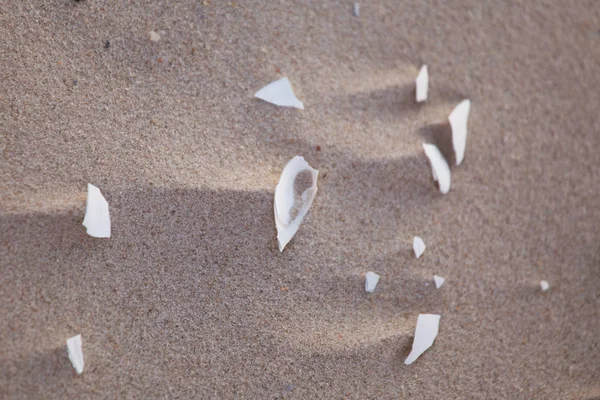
422, 84
544, 285
280, 93
438, 280
356, 9
155, 37
371, 280
425, 334
458, 122
285, 201
97, 218
75, 352
418, 246
439, 166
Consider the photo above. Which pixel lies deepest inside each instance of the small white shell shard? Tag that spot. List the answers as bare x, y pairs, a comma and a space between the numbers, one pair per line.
418, 246
97, 217
544, 285
422, 84
280, 93
425, 334
356, 9
371, 280
439, 167
438, 280
284, 200
75, 352
458, 122
155, 37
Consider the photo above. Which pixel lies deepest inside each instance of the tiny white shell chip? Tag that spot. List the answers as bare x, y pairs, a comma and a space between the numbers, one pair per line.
97, 217
422, 84
458, 122
425, 334
418, 246
544, 285
75, 353
155, 37
439, 166
356, 9
439, 281
285, 200
280, 93
371, 280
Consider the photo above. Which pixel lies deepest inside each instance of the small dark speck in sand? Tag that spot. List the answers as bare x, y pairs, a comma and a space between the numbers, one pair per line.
107, 45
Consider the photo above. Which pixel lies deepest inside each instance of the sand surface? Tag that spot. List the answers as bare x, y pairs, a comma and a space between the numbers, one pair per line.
191, 298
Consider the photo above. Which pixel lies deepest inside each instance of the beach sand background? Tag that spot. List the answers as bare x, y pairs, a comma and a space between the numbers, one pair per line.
191, 298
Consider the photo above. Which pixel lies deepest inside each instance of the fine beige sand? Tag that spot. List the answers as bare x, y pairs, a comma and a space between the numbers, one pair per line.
191, 299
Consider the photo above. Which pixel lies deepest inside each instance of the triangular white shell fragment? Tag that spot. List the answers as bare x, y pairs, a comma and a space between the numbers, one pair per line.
418, 246
544, 285
155, 37
439, 166
371, 280
422, 84
75, 353
280, 93
439, 281
356, 9
97, 218
458, 122
425, 334
285, 200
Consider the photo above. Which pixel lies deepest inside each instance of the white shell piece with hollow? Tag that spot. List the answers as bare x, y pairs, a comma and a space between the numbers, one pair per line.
356, 9
284, 200
75, 352
438, 280
371, 280
418, 246
458, 122
439, 166
97, 217
280, 93
544, 285
425, 334
422, 84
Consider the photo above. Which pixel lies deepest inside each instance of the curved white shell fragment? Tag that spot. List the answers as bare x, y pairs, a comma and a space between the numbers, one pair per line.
371, 280
284, 199
438, 280
75, 352
97, 217
280, 93
458, 122
544, 285
422, 84
425, 334
418, 246
439, 166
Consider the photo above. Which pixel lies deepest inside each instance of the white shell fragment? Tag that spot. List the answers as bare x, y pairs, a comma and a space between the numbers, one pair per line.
422, 84
544, 285
458, 122
285, 200
280, 93
97, 218
371, 280
425, 334
439, 167
75, 353
418, 246
356, 9
438, 280
155, 37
